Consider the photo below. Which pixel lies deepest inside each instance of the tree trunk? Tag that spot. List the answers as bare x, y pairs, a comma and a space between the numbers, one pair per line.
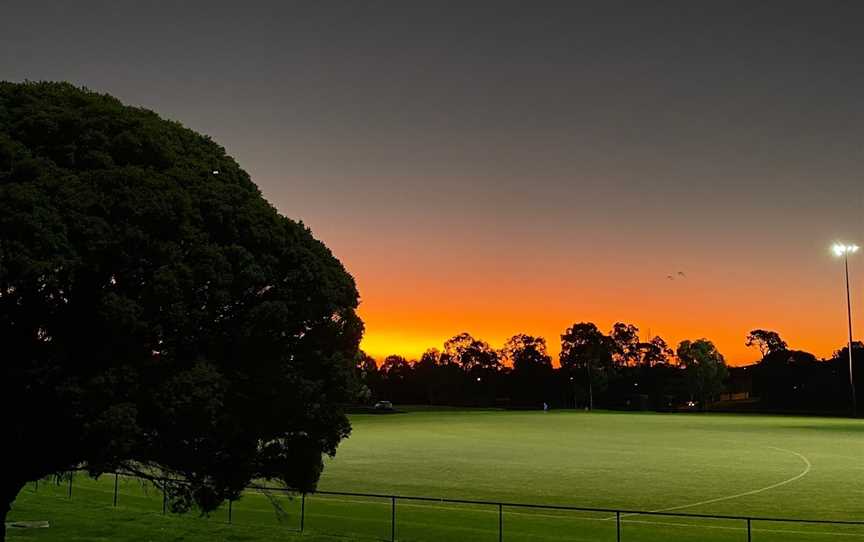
8, 491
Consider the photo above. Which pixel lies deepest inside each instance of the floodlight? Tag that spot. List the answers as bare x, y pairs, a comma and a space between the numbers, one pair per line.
841, 249
844, 250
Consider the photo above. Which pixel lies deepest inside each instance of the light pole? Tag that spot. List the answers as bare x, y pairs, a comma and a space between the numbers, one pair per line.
844, 251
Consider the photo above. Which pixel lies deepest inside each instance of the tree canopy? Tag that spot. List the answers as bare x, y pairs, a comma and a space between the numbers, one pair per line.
654, 352
705, 369
473, 355
767, 341
584, 348
156, 313
625, 338
527, 353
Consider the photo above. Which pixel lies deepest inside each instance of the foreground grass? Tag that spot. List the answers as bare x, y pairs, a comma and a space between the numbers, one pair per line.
85, 517
733, 465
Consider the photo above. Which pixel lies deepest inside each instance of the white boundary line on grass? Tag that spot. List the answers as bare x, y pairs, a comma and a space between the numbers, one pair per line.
798, 476
803, 473
807, 467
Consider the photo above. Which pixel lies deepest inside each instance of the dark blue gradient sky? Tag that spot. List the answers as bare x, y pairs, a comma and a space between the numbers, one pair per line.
501, 167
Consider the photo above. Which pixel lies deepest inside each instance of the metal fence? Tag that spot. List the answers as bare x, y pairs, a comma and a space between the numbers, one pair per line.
746, 525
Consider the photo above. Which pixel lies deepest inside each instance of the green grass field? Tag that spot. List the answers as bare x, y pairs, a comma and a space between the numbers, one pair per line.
718, 464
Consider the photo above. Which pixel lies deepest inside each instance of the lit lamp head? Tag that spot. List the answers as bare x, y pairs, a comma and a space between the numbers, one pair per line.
840, 249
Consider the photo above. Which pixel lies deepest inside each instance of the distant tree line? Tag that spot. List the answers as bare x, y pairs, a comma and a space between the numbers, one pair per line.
595, 369
617, 370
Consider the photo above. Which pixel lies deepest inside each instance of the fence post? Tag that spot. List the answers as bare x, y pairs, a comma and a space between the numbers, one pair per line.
302, 510
392, 518
70, 485
116, 483
748, 530
618, 523
229, 511
36, 485
500, 522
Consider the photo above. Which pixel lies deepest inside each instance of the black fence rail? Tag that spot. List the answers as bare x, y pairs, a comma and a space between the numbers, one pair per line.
617, 516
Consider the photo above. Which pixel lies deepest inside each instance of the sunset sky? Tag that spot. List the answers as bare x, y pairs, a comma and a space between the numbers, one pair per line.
507, 167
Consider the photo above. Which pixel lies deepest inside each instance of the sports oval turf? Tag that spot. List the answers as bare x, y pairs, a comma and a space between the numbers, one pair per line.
774, 466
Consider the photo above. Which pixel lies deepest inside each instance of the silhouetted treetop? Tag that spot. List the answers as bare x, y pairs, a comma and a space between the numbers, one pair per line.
654, 352
471, 354
584, 343
767, 341
625, 337
526, 352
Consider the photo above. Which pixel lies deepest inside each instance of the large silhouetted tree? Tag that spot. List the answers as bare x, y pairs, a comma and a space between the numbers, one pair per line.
654, 352
625, 338
525, 353
532, 368
431, 358
479, 362
396, 368
156, 313
473, 355
426, 372
397, 379
705, 369
586, 350
441, 378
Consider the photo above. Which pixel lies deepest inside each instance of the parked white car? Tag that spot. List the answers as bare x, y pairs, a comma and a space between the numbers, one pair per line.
383, 405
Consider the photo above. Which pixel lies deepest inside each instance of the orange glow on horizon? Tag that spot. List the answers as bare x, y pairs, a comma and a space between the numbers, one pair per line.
423, 280
411, 346
406, 316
